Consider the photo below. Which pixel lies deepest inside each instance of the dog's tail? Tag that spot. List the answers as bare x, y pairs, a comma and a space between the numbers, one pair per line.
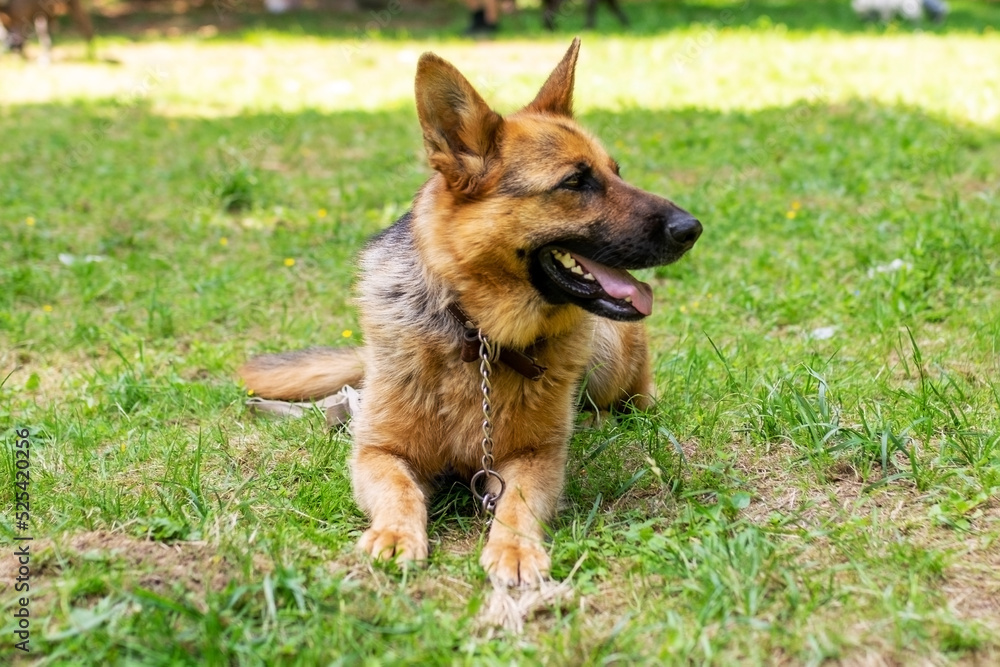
303, 375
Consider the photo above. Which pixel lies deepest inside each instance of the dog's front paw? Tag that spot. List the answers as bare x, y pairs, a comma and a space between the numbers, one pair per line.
399, 542
515, 562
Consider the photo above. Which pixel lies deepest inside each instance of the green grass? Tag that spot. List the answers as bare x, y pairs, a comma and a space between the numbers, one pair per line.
795, 498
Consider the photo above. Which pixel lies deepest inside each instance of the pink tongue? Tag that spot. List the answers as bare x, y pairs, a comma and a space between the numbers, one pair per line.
619, 284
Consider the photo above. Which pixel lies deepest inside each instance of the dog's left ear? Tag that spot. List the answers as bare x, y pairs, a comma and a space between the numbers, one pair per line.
461, 132
556, 96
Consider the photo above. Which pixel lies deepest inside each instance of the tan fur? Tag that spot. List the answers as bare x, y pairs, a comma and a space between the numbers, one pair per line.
303, 375
475, 229
628, 378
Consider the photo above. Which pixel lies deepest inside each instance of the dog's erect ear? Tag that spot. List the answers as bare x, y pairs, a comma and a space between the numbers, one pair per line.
556, 96
461, 132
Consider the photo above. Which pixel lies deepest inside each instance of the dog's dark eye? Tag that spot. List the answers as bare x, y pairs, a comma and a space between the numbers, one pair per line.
581, 180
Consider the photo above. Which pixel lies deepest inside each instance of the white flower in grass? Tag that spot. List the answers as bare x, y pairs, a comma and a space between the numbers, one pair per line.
893, 266
823, 333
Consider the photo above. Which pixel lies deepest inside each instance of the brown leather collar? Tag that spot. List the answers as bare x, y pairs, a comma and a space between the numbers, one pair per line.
515, 359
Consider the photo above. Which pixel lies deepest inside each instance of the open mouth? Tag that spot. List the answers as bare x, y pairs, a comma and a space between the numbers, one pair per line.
603, 290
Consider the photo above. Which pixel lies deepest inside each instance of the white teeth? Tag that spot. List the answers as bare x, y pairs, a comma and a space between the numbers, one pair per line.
588, 276
577, 270
628, 299
565, 259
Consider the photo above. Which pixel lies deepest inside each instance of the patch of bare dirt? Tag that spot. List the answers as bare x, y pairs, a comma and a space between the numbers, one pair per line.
970, 581
197, 567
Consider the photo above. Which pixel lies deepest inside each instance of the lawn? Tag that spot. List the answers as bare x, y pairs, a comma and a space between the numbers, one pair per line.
818, 482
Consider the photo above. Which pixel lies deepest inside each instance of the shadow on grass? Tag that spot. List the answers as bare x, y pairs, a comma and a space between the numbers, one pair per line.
234, 19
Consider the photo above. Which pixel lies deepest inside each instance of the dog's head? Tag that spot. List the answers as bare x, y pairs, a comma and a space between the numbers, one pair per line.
538, 200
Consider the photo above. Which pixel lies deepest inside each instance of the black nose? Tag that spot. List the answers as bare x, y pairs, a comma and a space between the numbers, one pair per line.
684, 228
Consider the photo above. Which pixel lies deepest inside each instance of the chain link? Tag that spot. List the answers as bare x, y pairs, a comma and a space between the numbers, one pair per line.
488, 500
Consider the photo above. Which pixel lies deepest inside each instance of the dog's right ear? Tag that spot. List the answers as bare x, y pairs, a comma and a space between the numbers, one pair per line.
556, 96
461, 132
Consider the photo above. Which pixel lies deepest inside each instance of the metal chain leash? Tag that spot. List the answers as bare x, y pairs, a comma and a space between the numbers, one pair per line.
487, 499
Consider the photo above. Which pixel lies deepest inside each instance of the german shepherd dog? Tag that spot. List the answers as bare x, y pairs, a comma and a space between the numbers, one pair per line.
525, 233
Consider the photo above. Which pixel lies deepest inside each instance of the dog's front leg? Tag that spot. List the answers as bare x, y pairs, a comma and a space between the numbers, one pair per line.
388, 489
514, 554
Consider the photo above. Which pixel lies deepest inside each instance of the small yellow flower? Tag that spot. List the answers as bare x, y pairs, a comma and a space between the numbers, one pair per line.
47, 308
123, 448
30, 221
796, 205
790, 215
321, 213
249, 392
347, 333
289, 261
695, 304
224, 241
684, 309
